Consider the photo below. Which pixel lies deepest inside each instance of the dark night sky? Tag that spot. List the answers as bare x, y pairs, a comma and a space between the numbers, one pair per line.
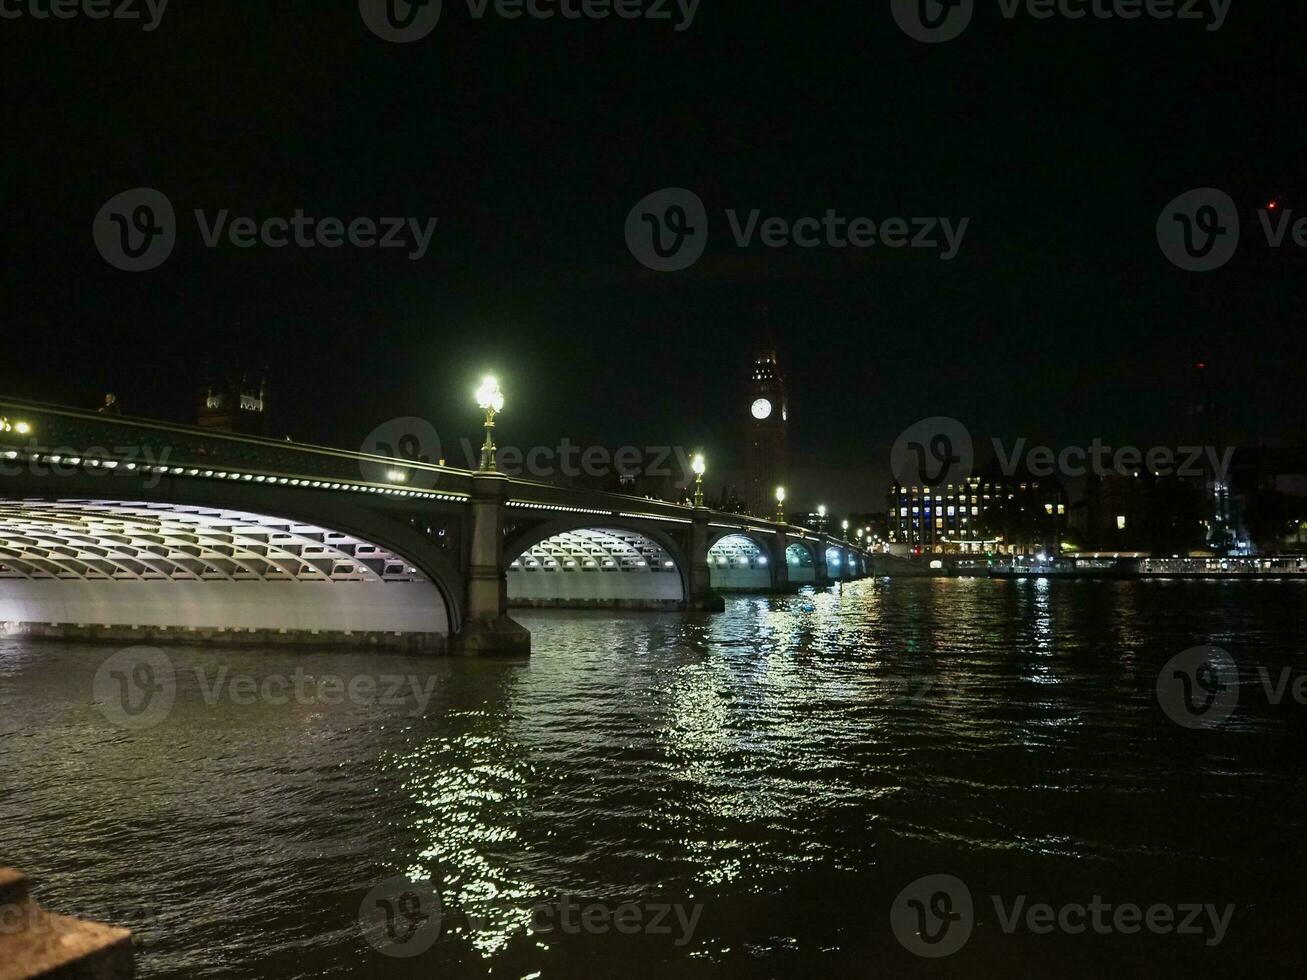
1060, 319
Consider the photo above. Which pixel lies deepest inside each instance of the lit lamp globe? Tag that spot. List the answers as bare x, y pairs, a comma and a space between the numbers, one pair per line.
700, 466
491, 400
489, 396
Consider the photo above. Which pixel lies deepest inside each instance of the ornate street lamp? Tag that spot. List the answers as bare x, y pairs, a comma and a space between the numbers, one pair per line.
845, 526
491, 400
780, 505
821, 519
700, 467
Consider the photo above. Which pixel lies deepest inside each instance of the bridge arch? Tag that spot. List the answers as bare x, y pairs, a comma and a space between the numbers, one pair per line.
836, 562
738, 562
613, 562
96, 563
801, 563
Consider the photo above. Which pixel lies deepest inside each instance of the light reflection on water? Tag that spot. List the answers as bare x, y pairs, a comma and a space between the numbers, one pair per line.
790, 764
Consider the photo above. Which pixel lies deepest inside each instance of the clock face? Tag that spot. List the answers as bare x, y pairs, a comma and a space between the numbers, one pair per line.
761, 409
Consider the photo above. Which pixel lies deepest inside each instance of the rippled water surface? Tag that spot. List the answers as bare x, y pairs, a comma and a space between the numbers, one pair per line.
790, 766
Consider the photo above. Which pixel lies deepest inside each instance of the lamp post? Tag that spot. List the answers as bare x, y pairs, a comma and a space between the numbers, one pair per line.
780, 505
845, 526
491, 401
22, 428
700, 466
821, 518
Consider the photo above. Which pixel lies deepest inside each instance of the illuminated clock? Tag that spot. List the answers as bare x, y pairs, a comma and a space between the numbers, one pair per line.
761, 409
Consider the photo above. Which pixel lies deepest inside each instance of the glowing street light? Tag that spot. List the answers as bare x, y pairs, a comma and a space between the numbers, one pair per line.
780, 505
821, 518
491, 401
845, 526
22, 428
699, 466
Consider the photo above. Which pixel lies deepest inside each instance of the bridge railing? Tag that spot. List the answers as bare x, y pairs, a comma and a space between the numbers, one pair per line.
66, 431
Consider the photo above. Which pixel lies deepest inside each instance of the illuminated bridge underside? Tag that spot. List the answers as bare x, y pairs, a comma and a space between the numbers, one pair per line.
89, 563
801, 566
595, 566
736, 563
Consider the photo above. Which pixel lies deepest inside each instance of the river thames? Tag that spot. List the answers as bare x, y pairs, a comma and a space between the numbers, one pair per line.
772, 778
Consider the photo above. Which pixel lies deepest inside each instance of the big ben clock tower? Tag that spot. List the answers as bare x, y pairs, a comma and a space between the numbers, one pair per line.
767, 419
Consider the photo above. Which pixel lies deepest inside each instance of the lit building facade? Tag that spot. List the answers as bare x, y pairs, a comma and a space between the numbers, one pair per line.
985, 514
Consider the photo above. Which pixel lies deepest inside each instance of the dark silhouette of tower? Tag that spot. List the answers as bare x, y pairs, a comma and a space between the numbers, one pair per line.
767, 418
1209, 424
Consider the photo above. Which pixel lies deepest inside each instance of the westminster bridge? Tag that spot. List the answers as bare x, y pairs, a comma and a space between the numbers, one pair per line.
126, 529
